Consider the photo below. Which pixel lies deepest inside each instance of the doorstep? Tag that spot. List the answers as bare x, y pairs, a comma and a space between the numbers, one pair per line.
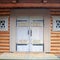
27, 56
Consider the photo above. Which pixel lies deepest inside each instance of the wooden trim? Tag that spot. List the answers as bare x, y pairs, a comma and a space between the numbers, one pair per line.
30, 5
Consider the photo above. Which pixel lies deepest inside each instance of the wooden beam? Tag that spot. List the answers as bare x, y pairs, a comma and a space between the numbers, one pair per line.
30, 5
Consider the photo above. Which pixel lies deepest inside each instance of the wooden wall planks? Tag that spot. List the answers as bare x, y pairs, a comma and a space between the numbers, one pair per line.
55, 36
53, 1
5, 35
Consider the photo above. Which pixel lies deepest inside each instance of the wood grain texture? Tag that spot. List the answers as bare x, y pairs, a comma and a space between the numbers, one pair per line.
5, 35
55, 36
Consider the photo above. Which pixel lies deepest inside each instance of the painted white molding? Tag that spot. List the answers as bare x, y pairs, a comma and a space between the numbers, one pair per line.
12, 34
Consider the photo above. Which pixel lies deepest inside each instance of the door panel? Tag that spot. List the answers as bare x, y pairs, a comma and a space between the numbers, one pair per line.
36, 48
37, 36
29, 35
22, 47
22, 42
22, 35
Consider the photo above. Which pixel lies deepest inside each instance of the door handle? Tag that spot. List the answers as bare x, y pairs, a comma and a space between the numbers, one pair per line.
30, 32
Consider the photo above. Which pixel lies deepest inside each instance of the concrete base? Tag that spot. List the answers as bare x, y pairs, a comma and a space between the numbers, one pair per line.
27, 56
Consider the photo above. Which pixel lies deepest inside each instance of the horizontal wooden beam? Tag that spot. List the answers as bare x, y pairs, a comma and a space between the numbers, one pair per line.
30, 5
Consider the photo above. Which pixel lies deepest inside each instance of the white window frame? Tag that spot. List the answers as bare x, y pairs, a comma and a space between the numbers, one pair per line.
55, 18
4, 18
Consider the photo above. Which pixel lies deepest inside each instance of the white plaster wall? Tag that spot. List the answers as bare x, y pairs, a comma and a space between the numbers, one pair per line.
30, 12
12, 33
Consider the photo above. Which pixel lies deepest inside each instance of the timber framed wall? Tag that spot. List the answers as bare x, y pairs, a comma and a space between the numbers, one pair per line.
5, 35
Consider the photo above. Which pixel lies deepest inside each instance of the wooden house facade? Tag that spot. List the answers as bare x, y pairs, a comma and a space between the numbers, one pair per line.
30, 26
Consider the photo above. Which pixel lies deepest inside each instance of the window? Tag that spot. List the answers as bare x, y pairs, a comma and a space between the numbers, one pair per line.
3, 23
56, 23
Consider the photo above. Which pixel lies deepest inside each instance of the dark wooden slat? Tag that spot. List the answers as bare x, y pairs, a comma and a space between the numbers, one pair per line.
30, 1
54, 46
30, 5
53, 1
4, 32
6, 1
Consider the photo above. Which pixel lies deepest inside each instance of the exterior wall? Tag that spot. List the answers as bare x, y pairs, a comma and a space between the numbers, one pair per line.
5, 39
51, 39
30, 12
5, 35
55, 36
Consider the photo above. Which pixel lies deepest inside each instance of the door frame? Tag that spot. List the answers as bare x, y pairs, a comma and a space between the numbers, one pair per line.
30, 12
41, 19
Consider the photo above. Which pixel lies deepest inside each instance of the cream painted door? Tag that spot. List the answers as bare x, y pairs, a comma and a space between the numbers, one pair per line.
29, 35
36, 34
22, 42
